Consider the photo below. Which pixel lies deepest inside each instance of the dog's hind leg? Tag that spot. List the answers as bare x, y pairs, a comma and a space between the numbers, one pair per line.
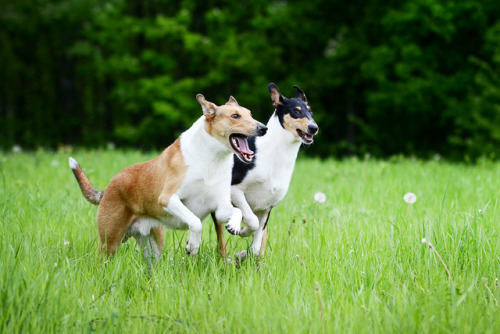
157, 234
219, 229
258, 247
176, 208
264, 243
258, 237
111, 225
151, 246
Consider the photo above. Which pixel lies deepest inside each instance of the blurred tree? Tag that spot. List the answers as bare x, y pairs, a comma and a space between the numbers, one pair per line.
383, 77
477, 119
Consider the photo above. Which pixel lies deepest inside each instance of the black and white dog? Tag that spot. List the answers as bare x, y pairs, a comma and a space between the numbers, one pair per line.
260, 185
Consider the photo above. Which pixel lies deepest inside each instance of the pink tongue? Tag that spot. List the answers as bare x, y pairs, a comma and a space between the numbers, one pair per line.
243, 147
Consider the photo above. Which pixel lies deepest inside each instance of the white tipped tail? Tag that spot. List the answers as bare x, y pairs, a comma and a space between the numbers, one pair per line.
73, 164
91, 194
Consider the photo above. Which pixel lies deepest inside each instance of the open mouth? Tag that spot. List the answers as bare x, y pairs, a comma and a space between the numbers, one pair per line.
239, 144
306, 137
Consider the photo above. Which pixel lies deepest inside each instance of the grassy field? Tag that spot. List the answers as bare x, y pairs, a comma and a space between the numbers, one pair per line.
355, 263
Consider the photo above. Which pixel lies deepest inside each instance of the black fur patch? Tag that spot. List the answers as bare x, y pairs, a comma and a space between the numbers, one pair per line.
241, 169
289, 107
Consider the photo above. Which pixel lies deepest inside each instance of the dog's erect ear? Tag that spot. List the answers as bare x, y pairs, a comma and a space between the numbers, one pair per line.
232, 101
276, 97
300, 95
208, 108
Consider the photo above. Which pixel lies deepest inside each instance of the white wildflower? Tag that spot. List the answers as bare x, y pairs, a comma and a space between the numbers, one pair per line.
66, 243
320, 197
424, 240
17, 149
410, 198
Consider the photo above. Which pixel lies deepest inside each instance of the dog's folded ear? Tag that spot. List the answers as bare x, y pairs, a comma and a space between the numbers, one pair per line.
208, 108
232, 101
276, 96
300, 95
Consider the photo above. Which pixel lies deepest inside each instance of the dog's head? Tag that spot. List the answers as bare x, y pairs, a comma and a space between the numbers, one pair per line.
231, 124
294, 114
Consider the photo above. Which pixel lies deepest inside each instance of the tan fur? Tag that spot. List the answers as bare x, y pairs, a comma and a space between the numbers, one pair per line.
91, 194
292, 124
219, 228
139, 190
223, 124
145, 189
220, 123
275, 97
264, 243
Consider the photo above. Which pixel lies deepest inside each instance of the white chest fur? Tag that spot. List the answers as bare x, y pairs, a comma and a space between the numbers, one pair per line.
208, 177
267, 183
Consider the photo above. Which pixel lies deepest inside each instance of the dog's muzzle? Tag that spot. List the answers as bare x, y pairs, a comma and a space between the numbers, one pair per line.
261, 129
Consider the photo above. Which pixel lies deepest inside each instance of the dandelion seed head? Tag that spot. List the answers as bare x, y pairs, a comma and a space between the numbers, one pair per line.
410, 198
17, 149
319, 197
424, 240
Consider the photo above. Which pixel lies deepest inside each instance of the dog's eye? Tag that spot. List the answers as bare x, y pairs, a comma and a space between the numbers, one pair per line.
235, 116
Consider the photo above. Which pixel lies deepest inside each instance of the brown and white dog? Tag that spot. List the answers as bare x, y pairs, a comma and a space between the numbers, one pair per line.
188, 180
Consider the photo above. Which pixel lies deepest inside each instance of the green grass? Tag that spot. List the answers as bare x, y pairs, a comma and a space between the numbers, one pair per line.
353, 264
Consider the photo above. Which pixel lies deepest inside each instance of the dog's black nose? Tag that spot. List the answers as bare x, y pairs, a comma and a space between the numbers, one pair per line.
261, 129
312, 129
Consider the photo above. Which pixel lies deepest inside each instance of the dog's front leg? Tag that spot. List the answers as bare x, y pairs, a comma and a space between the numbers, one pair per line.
239, 200
176, 208
227, 213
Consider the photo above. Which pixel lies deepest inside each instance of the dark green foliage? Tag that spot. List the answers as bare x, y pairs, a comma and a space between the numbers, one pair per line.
414, 77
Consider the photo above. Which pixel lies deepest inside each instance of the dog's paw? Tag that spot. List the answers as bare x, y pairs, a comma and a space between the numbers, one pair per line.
190, 250
234, 224
232, 229
192, 247
241, 256
246, 232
